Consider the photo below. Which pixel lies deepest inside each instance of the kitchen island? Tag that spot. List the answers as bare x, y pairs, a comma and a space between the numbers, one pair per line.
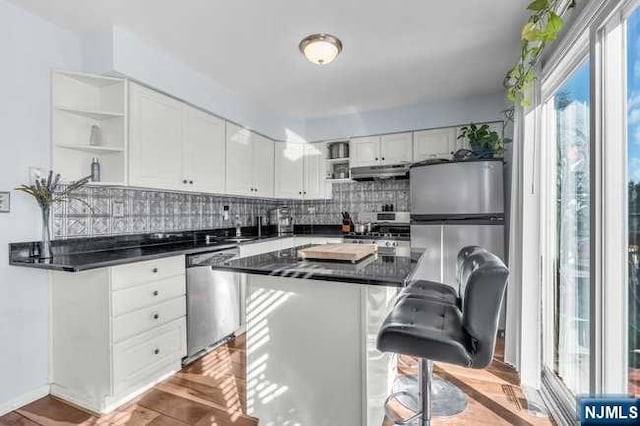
311, 336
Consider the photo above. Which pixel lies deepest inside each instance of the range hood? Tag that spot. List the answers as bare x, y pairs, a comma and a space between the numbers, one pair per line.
398, 171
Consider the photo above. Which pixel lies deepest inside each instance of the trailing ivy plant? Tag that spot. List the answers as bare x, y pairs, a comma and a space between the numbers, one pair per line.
543, 27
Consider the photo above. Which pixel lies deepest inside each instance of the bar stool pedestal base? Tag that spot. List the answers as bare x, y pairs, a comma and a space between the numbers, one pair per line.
446, 398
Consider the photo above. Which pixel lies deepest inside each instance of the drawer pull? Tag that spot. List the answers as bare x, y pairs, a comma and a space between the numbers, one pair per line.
156, 351
154, 270
156, 292
156, 316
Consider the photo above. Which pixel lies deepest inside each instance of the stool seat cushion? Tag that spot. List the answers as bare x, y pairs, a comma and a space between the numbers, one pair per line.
431, 290
427, 329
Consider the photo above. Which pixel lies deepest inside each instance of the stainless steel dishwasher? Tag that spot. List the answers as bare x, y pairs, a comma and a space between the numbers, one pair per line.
213, 302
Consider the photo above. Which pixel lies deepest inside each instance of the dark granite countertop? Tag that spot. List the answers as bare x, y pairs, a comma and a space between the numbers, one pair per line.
75, 255
388, 268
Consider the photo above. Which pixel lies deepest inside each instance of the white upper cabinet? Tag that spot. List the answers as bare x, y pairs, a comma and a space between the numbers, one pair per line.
173, 145
301, 171
249, 163
239, 161
434, 144
388, 149
263, 173
155, 139
364, 151
315, 172
396, 148
289, 170
204, 151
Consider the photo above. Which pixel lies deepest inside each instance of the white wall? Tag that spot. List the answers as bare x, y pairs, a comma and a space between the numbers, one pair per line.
30, 48
123, 52
139, 60
412, 117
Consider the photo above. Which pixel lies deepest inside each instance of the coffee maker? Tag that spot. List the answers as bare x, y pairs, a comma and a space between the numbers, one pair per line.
281, 218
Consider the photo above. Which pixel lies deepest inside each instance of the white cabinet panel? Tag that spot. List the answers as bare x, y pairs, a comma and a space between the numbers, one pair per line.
239, 161
140, 358
396, 148
263, 172
132, 274
155, 148
204, 151
364, 151
310, 382
130, 324
315, 171
434, 144
289, 170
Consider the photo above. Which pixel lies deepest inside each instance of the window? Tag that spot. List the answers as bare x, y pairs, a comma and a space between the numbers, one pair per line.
571, 222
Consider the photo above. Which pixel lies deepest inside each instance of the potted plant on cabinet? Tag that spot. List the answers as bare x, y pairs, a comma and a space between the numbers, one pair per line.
48, 191
484, 142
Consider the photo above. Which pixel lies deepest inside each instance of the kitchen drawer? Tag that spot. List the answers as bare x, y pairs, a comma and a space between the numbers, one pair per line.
133, 274
130, 324
153, 293
145, 357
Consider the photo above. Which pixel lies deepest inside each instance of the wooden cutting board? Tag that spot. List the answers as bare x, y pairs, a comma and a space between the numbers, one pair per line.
340, 252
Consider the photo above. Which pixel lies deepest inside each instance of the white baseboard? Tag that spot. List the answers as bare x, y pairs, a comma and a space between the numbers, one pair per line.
24, 399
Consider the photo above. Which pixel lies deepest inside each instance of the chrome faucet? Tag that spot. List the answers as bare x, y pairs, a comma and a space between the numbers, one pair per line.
238, 226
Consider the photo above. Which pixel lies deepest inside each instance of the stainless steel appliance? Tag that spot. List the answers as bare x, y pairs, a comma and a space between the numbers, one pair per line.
385, 236
388, 217
339, 150
213, 302
281, 218
367, 173
455, 204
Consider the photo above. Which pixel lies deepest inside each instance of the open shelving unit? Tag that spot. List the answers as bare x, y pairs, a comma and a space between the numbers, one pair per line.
80, 102
334, 165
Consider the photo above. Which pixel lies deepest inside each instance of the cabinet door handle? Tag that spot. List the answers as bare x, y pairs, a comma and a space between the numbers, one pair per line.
300, 192
190, 182
376, 158
154, 270
382, 158
156, 351
156, 292
184, 181
156, 316
304, 192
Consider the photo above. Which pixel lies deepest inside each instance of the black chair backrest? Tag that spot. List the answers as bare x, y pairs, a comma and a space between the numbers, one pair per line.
483, 279
463, 254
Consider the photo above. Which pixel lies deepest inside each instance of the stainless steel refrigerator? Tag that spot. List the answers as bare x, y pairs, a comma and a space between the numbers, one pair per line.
455, 204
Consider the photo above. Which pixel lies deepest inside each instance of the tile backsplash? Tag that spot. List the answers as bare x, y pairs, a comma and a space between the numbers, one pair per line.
116, 210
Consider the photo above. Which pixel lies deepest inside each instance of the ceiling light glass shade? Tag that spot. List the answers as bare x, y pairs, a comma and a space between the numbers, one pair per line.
320, 48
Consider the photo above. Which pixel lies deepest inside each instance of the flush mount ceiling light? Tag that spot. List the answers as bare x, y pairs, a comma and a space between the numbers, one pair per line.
320, 48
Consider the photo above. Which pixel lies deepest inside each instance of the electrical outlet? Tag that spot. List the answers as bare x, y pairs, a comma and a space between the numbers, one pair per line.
5, 202
118, 209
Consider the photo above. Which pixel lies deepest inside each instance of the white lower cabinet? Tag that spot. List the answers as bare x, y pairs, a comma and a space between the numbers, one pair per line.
116, 331
332, 374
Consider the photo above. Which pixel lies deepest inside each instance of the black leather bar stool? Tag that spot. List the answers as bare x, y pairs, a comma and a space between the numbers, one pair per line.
433, 330
444, 293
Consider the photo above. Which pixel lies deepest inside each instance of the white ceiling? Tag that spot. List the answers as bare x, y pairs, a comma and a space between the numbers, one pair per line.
396, 52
